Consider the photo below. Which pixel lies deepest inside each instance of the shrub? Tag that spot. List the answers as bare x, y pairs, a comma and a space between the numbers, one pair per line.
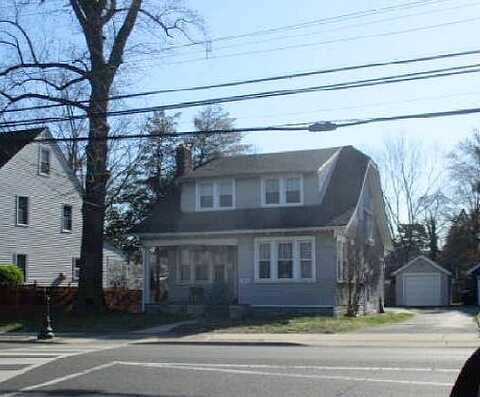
10, 275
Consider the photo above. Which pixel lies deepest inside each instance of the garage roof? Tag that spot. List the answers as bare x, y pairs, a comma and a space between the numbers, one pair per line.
425, 259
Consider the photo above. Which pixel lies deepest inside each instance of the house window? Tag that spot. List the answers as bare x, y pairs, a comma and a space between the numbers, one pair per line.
225, 194
67, 218
285, 260
264, 264
206, 195
272, 191
22, 210
294, 259
44, 164
215, 195
282, 191
292, 190
306, 259
75, 269
20, 260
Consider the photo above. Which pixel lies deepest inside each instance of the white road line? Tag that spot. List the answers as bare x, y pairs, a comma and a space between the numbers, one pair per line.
320, 367
60, 379
283, 374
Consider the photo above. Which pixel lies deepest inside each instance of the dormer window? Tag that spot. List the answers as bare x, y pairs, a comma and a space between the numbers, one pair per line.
282, 191
44, 162
215, 195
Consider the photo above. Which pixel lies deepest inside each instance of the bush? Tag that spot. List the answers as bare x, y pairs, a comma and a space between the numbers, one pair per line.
10, 275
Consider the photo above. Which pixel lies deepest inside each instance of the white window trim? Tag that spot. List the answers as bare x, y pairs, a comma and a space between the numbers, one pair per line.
274, 241
63, 218
17, 201
283, 190
47, 149
216, 195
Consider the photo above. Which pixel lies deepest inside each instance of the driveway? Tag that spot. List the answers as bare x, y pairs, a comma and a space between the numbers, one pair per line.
432, 321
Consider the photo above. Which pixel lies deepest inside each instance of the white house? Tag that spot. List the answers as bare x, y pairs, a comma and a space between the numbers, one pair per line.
40, 210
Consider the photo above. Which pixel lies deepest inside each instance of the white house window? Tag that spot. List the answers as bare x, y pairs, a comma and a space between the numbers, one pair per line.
67, 219
215, 195
44, 163
206, 195
20, 260
292, 190
306, 259
294, 259
282, 191
225, 194
285, 260
272, 191
22, 210
75, 269
264, 263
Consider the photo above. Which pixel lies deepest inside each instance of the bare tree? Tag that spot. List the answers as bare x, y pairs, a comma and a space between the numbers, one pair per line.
31, 73
410, 172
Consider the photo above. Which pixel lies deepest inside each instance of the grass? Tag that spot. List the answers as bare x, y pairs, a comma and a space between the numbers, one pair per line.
100, 323
296, 324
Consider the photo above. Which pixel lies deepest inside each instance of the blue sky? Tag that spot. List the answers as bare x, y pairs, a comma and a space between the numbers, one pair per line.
460, 20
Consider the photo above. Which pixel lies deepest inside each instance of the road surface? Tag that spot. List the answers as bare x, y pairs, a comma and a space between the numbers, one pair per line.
152, 369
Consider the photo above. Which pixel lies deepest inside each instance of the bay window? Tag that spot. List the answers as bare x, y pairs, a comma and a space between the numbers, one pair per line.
285, 259
282, 191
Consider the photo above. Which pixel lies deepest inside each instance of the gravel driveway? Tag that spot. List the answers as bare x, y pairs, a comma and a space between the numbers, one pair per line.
432, 321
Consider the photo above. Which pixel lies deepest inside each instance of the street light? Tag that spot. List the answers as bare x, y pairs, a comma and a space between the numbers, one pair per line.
320, 126
46, 331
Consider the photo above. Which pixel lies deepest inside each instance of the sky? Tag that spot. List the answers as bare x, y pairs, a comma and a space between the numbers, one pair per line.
331, 34
438, 26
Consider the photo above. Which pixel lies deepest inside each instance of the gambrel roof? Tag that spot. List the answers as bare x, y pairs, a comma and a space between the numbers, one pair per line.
337, 207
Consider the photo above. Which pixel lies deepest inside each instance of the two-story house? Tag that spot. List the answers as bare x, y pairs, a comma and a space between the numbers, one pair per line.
268, 230
40, 210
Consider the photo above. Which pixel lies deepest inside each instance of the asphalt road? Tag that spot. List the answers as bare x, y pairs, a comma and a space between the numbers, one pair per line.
151, 369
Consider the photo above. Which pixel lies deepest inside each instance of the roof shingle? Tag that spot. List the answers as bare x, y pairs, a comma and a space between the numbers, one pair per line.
11, 142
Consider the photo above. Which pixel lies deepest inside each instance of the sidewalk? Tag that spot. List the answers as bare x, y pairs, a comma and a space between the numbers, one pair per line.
351, 339
163, 335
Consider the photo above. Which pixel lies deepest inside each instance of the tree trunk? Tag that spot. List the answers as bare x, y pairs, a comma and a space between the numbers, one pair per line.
90, 297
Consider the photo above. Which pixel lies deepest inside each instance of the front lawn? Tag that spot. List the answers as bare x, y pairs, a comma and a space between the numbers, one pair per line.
295, 324
100, 323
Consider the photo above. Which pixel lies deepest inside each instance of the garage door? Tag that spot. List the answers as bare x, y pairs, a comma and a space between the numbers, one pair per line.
422, 290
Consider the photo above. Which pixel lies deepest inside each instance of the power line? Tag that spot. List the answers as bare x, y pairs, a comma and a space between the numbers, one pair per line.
444, 72
320, 43
304, 127
339, 28
268, 79
315, 22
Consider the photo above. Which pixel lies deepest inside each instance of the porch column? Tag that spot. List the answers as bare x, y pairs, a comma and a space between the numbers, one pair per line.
146, 277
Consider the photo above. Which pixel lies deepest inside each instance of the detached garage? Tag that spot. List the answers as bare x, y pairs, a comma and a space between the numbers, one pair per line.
422, 282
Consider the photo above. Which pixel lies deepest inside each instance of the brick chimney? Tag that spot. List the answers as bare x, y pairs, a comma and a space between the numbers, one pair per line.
184, 162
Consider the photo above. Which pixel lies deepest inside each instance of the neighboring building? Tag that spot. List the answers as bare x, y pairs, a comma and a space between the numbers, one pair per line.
474, 283
422, 282
269, 231
40, 209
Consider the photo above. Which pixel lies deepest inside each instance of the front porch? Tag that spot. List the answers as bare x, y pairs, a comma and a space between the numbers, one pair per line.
190, 276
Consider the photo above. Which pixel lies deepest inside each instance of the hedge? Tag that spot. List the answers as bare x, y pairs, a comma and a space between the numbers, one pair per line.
10, 275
